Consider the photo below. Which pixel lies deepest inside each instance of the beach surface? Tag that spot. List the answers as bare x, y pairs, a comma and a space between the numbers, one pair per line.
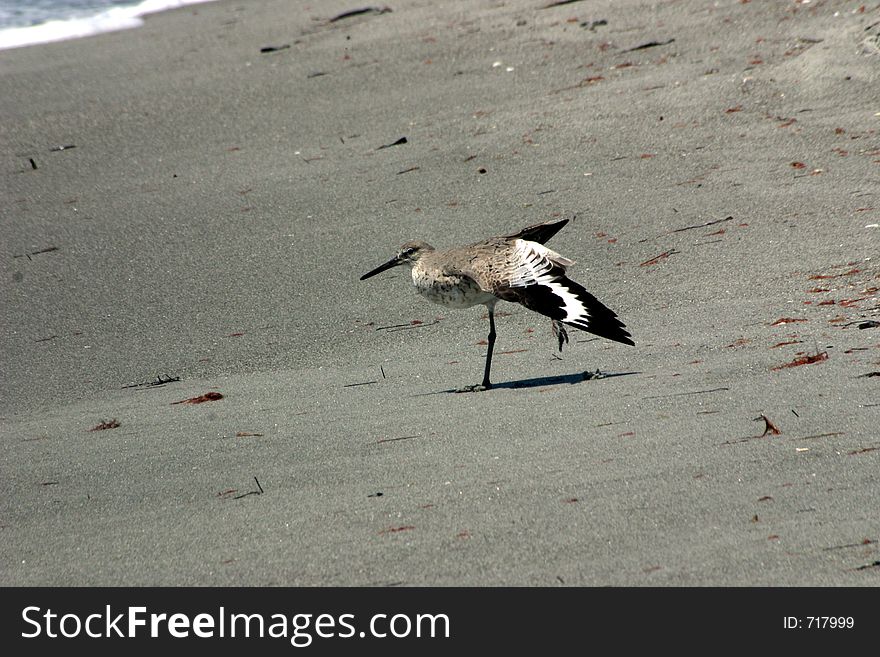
186, 209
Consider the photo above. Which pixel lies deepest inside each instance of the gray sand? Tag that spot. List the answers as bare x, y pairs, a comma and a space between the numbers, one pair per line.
220, 204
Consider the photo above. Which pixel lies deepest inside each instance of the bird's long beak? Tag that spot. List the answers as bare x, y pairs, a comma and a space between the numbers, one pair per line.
388, 265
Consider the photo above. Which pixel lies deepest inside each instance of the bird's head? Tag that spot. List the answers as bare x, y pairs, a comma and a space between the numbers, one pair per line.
409, 254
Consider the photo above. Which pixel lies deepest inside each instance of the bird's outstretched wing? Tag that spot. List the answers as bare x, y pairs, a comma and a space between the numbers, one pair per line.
537, 279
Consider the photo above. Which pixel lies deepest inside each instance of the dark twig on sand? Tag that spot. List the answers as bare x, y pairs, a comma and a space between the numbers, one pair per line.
650, 44
682, 394
253, 492
592, 25
830, 434
559, 3
863, 450
359, 12
708, 223
160, 381
28, 255
656, 259
400, 141
862, 543
405, 327
107, 424
393, 440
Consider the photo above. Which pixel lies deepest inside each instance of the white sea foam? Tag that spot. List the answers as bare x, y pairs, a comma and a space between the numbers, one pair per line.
115, 18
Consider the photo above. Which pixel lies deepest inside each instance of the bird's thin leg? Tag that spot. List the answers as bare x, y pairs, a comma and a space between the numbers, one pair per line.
560, 333
491, 339
486, 384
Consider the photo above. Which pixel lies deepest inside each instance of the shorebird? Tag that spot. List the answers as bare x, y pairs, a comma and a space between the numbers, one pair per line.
515, 268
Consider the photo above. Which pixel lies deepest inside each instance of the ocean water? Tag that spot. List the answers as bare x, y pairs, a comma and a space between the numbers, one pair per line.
28, 22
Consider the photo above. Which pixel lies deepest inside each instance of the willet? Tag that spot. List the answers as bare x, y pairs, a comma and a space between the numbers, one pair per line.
516, 268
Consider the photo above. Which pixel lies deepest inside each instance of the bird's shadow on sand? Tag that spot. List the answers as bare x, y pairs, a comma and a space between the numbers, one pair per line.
543, 381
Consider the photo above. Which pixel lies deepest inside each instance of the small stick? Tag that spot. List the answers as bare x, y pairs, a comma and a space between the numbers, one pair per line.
404, 327
391, 440
650, 44
680, 394
656, 259
708, 223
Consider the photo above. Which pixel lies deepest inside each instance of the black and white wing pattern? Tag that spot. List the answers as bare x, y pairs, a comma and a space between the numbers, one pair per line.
536, 278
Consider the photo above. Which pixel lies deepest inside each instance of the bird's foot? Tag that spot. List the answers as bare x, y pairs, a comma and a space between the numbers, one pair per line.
598, 374
559, 332
480, 387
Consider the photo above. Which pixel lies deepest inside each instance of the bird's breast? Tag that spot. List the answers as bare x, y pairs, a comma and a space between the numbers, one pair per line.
446, 290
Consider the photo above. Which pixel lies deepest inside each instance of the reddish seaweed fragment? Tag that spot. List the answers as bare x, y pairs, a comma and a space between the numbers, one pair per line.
208, 396
803, 360
394, 530
819, 277
769, 427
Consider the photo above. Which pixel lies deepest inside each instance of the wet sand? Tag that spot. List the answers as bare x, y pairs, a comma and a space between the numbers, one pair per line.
204, 229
